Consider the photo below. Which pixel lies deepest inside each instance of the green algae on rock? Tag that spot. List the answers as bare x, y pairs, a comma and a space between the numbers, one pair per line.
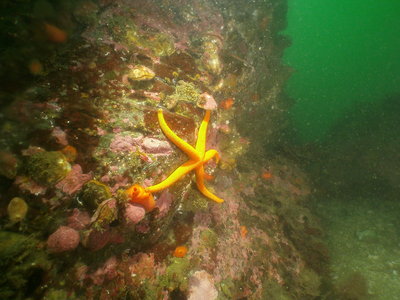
106, 212
47, 167
210, 58
197, 203
140, 73
184, 91
17, 209
54, 294
20, 257
8, 164
93, 193
176, 274
160, 44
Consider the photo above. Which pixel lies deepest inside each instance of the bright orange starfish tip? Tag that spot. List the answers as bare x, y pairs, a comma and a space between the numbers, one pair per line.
138, 195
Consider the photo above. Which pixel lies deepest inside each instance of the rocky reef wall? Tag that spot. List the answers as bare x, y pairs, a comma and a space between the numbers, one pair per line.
83, 84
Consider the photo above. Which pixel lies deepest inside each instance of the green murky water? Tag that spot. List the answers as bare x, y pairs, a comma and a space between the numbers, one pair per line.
346, 90
343, 53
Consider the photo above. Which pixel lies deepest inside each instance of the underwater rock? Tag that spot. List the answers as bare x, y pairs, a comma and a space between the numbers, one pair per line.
58, 294
152, 95
155, 146
47, 167
106, 272
184, 91
106, 212
70, 153
93, 193
63, 239
21, 257
86, 12
60, 136
8, 164
17, 209
201, 286
310, 281
207, 102
176, 273
164, 203
143, 227
31, 150
125, 142
95, 240
159, 44
73, 181
224, 128
55, 34
162, 45
210, 58
27, 184
42, 9
140, 73
183, 126
79, 219
134, 213
14, 244
227, 103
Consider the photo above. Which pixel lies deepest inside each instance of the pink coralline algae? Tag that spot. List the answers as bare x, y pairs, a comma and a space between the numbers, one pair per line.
134, 213
116, 181
125, 143
143, 264
164, 203
79, 219
96, 239
233, 252
120, 181
107, 272
153, 95
63, 239
101, 131
74, 180
148, 182
157, 147
60, 136
117, 130
128, 143
207, 102
27, 184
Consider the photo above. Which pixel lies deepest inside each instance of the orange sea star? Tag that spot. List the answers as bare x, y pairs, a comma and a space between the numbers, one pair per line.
198, 156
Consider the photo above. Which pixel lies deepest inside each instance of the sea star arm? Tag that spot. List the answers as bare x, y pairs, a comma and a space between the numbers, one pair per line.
181, 144
174, 177
198, 157
202, 188
210, 154
202, 134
